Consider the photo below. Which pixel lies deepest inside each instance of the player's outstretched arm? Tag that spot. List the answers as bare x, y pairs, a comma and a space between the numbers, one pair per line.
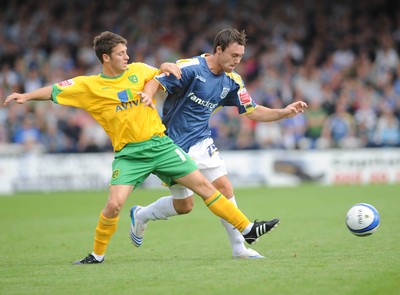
149, 90
38, 94
264, 114
294, 108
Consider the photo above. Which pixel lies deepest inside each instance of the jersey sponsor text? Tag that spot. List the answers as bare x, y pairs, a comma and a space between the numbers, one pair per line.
127, 105
202, 102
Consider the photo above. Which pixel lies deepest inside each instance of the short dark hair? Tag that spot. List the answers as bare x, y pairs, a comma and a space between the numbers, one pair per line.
105, 42
227, 37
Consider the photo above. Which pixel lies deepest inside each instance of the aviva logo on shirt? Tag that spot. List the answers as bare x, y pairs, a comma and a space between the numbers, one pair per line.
127, 100
125, 95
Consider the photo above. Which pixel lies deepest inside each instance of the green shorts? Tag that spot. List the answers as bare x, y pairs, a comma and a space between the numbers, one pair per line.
158, 155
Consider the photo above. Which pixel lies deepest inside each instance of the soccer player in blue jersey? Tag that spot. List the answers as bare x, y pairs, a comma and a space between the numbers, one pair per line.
207, 83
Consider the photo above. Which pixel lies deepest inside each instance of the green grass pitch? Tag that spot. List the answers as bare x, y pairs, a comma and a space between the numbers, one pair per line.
311, 252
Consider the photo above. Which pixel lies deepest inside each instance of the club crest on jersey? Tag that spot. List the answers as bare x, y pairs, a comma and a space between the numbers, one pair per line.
133, 79
66, 83
115, 173
202, 79
224, 92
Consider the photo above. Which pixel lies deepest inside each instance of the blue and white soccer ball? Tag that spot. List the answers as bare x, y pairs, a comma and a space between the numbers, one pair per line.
362, 219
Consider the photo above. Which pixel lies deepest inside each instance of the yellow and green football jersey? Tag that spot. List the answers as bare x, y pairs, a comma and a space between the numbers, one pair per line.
114, 103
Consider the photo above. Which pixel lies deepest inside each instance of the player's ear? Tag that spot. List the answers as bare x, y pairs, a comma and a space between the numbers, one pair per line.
106, 57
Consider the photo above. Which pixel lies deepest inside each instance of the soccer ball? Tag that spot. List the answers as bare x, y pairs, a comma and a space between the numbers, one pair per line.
362, 219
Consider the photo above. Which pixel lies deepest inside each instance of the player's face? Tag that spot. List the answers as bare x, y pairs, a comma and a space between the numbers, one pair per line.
230, 57
118, 61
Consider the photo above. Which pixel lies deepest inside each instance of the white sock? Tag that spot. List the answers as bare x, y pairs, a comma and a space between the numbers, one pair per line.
158, 210
98, 257
247, 229
235, 237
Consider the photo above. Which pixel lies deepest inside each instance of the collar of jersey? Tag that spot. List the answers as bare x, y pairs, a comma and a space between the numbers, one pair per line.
108, 77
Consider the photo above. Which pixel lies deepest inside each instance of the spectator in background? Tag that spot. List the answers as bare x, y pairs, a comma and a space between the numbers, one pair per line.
387, 132
339, 128
293, 132
245, 138
3, 130
290, 49
10, 80
343, 56
93, 138
396, 87
386, 60
365, 118
28, 134
33, 80
315, 118
307, 82
269, 135
71, 128
54, 139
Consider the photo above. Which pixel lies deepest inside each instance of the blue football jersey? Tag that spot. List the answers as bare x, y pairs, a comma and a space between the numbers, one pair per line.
192, 99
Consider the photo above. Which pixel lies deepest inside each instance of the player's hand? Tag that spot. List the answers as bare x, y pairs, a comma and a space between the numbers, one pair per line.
146, 99
18, 97
294, 108
169, 68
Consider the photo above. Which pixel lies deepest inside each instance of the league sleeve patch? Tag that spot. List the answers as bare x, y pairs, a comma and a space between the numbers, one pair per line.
66, 83
244, 97
246, 101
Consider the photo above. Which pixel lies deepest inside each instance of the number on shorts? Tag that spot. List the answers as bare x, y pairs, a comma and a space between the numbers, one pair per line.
212, 149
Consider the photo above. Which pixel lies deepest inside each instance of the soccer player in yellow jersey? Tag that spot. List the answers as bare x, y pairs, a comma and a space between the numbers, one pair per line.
113, 99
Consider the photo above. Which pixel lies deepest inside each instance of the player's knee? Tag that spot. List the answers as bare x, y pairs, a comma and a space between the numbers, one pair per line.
224, 186
226, 190
206, 185
113, 208
184, 206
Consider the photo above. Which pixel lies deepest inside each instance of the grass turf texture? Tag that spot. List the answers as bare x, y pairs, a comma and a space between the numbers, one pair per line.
311, 252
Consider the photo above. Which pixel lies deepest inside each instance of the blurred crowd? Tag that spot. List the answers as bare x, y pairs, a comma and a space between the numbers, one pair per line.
341, 57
